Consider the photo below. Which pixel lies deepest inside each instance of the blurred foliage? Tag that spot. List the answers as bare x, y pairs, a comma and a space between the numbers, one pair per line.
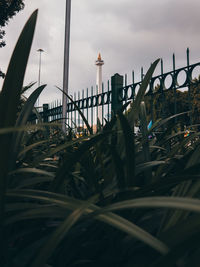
163, 104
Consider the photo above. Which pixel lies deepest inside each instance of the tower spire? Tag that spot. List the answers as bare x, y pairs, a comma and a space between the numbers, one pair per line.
99, 57
99, 63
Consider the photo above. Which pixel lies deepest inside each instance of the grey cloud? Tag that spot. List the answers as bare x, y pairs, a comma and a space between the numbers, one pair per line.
128, 33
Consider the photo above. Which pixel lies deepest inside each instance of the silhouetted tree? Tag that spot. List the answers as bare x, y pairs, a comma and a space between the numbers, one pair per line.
8, 9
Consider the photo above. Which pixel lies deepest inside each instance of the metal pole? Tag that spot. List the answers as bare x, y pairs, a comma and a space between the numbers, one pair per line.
39, 73
66, 62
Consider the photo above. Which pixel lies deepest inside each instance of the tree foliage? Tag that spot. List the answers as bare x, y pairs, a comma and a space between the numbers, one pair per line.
8, 9
170, 102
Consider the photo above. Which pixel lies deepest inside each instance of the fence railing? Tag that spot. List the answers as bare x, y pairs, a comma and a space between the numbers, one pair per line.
116, 94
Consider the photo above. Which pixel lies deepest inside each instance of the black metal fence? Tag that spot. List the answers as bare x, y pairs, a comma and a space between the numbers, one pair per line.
116, 94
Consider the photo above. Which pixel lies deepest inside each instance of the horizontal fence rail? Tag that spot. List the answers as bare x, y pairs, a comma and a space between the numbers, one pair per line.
128, 92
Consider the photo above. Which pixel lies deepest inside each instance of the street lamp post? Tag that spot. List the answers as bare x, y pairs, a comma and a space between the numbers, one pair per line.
66, 62
39, 73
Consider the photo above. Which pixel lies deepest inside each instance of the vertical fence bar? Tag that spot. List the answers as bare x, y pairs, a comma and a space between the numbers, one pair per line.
102, 98
189, 88
45, 110
87, 103
174, 89
53, 110
142, 74
71, 113
133, 77
125, 79
79, 115
126, 89
161, 66
75, 130
151, 101
108, 100
92, 108
61, 108
133, 81
83, 124
116, 85
56, 109
162, 90
51, 106
97, 104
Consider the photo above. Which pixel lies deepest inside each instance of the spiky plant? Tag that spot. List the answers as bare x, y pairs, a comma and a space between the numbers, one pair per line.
111, 198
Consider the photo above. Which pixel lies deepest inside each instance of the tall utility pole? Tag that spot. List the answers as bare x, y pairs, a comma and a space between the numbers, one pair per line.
66, 62
39, 73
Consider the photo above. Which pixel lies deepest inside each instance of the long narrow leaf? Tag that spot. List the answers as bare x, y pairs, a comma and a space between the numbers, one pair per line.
109, 218
133, 114
9, 102
22, 120
56, 238
187, 204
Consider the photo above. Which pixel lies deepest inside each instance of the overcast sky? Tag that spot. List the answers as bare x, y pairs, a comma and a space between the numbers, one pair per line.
128, 33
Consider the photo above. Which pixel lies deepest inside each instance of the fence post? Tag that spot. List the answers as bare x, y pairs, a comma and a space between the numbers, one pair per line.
45, 112
116, 85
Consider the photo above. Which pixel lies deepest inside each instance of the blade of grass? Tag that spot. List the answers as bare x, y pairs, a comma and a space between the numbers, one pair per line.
109, 218
148, 166
160, 122
33, 171
40, 126
27, 87
9, 102
28, 106
33, 181
57, 237
182, 238
188, 204
133, 114
30, 147
11, 91
22, 120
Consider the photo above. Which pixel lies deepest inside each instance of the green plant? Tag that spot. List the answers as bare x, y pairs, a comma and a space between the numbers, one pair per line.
111, 198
